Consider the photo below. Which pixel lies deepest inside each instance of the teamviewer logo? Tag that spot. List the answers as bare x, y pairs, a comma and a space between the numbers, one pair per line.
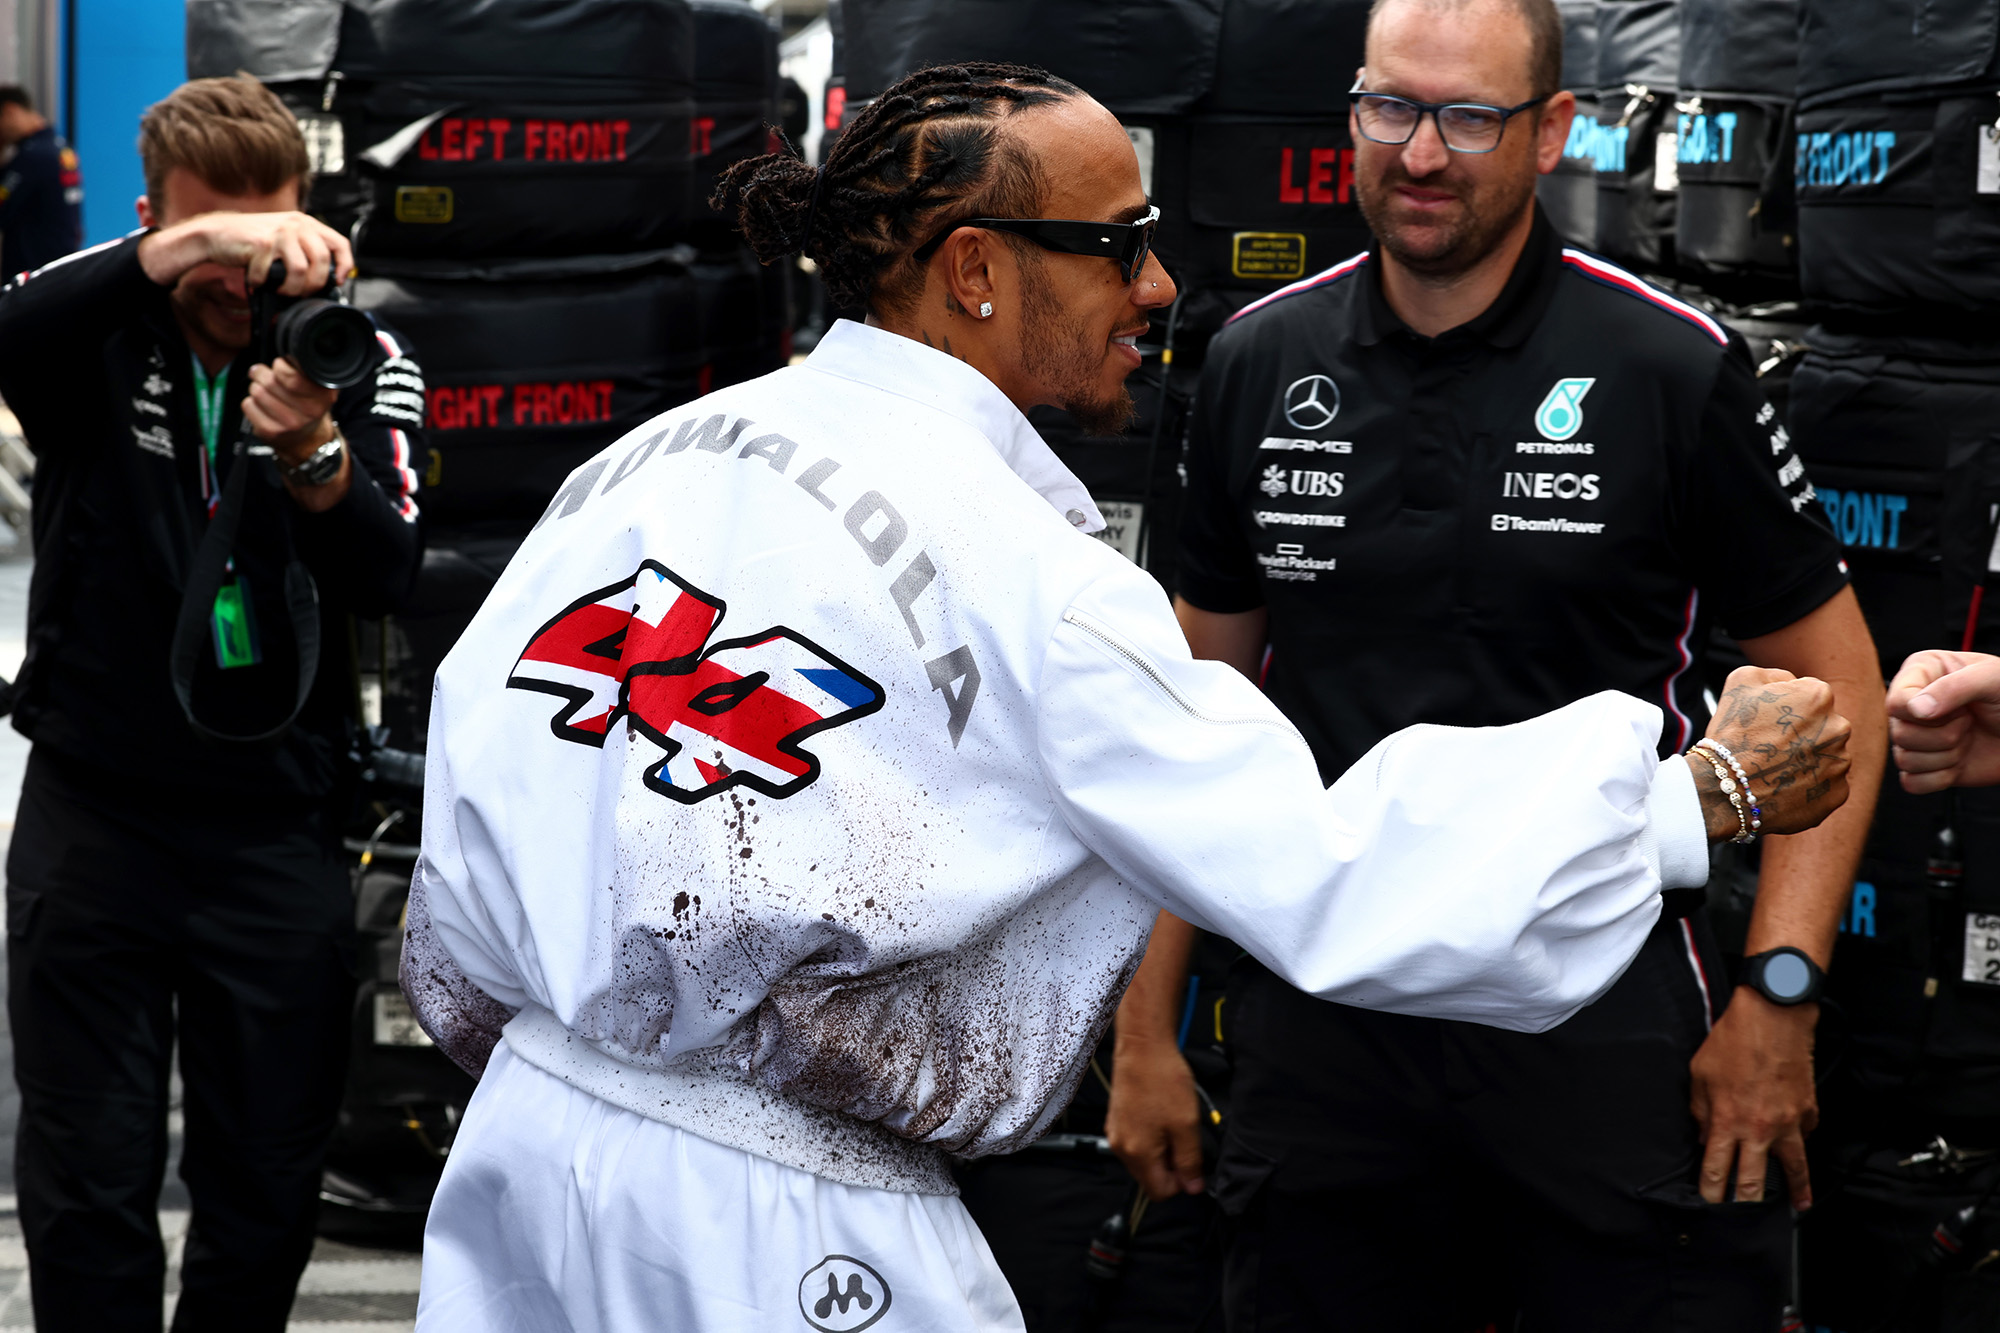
840, 1294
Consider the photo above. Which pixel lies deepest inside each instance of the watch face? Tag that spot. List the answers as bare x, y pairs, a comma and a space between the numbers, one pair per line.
1787, 977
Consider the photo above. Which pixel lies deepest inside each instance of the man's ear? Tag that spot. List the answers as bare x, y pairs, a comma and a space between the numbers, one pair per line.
1554, 124
145, 207
968, 269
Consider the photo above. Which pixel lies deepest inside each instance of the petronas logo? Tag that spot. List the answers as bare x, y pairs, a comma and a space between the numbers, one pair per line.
1560, 416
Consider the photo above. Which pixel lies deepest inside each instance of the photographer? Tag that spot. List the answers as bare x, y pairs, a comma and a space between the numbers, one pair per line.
163, 884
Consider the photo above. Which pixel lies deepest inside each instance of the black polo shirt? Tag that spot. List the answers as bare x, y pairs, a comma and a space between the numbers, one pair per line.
1560, 497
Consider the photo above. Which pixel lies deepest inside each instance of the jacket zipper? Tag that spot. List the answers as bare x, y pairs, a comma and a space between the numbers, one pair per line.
1146, 669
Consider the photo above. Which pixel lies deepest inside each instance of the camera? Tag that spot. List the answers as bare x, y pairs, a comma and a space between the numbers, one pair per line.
331, 342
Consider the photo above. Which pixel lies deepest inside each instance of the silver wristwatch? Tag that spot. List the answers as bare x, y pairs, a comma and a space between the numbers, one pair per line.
321, 467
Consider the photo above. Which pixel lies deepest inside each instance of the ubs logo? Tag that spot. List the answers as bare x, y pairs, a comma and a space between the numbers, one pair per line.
1312, 403
840, 1294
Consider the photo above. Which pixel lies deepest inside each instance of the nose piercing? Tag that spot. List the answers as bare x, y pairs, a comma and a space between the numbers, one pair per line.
985, 309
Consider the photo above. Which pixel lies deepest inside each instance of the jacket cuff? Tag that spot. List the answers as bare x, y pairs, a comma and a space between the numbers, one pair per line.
1675, 839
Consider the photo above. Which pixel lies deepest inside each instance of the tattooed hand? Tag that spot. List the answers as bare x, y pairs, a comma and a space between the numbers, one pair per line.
1791, 743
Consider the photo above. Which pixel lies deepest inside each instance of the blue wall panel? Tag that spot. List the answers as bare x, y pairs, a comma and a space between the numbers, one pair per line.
129, 54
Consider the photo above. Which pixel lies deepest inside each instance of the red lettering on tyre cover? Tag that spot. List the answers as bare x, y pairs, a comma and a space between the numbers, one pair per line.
600, 141
524, 401
475, 134
1346, 188
619, 128
427, 150
1288, 192
604, 400
543, 407
555, 145
498, 126
562, 402
492, 393
443, 410
704, 134
579, 141
531, 139
1320, 177
449, 131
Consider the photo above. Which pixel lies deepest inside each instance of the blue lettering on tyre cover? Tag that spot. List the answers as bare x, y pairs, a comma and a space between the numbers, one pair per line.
1603, 146
1708, 139
1865, 518
1833, 159
1860, 916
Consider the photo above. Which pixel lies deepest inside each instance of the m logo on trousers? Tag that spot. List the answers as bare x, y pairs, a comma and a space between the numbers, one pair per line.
840, 1294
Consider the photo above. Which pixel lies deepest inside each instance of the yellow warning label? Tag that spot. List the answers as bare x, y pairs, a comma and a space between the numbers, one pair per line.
434, 474
1276, 256
423, 203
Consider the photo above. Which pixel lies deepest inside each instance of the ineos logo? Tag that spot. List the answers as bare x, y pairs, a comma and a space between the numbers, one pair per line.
1312, 403
840, 1294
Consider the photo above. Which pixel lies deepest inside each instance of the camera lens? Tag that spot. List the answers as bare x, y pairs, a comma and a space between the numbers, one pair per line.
332, 345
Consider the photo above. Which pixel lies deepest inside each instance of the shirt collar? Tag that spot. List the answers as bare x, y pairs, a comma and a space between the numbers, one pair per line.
1506, 323
909, 369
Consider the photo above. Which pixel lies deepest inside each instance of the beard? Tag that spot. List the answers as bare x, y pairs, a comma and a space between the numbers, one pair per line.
1488, 212
1061, 354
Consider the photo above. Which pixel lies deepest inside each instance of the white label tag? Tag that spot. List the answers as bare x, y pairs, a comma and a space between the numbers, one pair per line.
1667, 162
395, 1025
1982, 948
1989, 158
1142, 144
1122, 527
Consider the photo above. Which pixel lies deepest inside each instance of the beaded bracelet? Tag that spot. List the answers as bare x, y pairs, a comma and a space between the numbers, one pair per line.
1727, 781
1715, 746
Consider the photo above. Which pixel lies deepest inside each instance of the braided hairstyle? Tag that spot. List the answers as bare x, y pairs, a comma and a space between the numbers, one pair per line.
930, 146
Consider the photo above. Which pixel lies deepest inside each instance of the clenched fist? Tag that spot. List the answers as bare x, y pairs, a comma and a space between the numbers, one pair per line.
1791, 744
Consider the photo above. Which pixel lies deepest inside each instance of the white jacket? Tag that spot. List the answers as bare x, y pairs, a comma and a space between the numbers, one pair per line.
811, 779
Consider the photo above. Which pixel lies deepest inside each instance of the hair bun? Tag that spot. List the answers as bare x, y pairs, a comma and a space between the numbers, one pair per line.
769, 198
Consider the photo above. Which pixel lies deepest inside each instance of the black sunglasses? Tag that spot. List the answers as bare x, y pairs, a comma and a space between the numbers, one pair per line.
1127, 242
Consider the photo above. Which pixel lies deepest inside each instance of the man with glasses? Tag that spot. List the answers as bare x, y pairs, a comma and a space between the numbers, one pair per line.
799, 798
1463, 478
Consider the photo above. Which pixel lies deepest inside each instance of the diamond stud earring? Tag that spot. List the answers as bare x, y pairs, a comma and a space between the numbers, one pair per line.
985, 309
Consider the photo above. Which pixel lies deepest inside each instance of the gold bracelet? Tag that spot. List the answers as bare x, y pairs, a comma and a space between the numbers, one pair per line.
1729, 789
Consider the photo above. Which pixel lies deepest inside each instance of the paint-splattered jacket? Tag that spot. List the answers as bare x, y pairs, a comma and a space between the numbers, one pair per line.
811, 780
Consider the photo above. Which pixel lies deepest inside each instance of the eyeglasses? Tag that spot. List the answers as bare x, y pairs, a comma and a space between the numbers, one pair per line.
1127, 242
1465, 127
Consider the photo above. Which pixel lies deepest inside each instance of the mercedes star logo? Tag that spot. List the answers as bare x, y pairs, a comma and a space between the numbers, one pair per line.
1312, 403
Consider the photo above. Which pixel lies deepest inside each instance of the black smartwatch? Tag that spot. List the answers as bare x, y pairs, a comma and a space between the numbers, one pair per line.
1784, 976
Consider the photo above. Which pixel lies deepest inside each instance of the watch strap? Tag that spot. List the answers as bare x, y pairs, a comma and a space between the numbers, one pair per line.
320, 467
1756, 969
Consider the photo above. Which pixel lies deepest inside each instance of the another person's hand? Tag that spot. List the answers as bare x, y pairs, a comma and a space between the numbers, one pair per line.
1944, 720
295, 417
314, 253
1793, 747
1154, 1119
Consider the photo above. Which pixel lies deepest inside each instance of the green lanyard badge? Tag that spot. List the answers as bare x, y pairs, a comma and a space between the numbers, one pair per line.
237, 643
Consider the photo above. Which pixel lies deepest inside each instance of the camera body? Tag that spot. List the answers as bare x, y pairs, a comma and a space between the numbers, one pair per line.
331, 342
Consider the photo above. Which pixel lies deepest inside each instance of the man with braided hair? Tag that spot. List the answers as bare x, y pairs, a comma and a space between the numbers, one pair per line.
800, 799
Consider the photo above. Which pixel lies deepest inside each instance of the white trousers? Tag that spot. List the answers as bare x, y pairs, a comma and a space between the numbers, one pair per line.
560, 1213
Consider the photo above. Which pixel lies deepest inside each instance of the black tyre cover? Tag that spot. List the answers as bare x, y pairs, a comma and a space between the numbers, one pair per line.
1288, 57
642, 41
462, 167
529, 377
1851, 47
1638, 71
1902, 445
275, 40
1142, 57
745, 319
1890, 214
735, 96
1737, 214
1254, 203
1569, 193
